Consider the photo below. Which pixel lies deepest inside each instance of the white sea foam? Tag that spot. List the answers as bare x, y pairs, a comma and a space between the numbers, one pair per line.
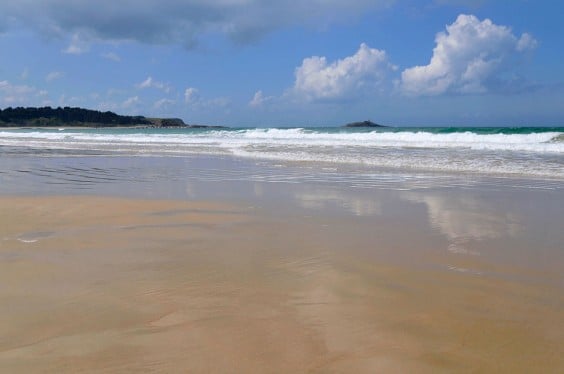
538, 153
464, 270
27, 240
535, 142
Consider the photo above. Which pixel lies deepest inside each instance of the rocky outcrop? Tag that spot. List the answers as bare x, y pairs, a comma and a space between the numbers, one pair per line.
363, 124
177, 122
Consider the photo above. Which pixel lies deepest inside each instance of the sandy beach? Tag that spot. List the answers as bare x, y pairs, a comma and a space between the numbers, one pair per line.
332, 284
285, 187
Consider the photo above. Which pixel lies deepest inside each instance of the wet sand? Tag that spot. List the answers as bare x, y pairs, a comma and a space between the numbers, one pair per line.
103, 284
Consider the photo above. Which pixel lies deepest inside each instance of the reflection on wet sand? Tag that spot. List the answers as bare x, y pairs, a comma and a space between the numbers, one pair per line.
464, 219
131, 285
321, 199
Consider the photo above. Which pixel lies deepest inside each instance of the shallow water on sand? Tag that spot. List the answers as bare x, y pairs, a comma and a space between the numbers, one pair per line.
173, 177
221, 264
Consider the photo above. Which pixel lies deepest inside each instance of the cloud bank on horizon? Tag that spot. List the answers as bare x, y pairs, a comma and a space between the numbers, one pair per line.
120, 47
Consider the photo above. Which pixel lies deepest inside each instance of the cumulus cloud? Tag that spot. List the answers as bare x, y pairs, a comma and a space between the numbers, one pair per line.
111, 56
259, 99
151, 83
13, 94
191, 95
175, 21
163, 103
78, 45
195, 101
130, 102
470, 57
54, 75
316, 79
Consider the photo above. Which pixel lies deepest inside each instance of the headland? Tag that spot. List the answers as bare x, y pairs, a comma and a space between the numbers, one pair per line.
80, 117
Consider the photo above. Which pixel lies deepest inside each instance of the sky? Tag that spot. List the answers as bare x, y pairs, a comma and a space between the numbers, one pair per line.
290, 63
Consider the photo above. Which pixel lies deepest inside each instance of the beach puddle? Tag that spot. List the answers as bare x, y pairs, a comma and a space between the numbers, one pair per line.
34, 236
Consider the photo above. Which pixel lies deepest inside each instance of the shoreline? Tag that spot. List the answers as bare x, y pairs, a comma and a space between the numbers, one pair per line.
47, 172
477, 154
215, 264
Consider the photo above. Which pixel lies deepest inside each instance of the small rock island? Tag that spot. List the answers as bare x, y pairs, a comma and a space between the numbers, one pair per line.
363, 124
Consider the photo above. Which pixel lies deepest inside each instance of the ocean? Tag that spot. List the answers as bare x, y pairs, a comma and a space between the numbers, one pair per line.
500, 151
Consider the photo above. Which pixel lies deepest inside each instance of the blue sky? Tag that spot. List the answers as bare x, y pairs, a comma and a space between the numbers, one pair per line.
275, 63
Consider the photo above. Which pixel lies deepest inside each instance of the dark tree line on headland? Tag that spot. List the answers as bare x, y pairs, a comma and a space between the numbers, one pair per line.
47, 116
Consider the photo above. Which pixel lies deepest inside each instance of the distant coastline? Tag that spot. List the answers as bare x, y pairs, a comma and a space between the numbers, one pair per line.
80, 117
69, 117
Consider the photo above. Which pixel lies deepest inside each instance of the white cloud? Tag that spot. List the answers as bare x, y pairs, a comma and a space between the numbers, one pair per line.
146, 83
191, 96
526, 43
470, 57
195, 101
25, 74
151, 83
54, 75
77, 46
11, 94
130, 102
111, 56
259, 99
175, 21
342, 79
163, 103
463, 220
107, 105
